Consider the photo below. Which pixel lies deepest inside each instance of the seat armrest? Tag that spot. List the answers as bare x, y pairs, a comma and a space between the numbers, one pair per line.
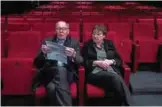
81, 85
127, 72
160, 53
81, 45
135, 56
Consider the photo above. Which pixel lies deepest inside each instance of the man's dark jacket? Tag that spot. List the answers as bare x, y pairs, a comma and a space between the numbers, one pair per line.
43, 65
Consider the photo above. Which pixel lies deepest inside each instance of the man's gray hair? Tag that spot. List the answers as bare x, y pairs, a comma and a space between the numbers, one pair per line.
67, 24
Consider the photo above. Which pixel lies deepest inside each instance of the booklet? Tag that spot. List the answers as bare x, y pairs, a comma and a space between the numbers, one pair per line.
57, 52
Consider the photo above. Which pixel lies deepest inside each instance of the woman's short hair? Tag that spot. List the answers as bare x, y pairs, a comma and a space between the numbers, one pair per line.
101, 27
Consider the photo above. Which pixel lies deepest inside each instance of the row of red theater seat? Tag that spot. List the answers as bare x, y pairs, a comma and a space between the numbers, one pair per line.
16, 67
143, 33
17, 75
139, 30
23, 70
86, 18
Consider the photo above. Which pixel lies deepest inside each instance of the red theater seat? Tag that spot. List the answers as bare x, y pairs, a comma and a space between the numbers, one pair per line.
18, 27
37, 27
159, 20
15, 19
122, 29
17, 76
2, 45
33, 20
94, 91
143, 31
23, 44
76, 89
144, 35
147, 20
2, 19
160, 32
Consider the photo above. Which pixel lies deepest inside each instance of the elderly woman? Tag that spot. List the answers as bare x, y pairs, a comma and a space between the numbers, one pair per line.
104, 66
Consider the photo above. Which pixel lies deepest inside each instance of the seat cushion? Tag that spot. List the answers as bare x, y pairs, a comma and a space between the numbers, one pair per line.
93, 91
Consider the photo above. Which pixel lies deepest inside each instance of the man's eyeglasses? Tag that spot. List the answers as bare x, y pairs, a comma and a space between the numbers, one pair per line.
62, 29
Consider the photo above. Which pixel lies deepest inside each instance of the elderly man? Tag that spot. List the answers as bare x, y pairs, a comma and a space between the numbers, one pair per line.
57, 75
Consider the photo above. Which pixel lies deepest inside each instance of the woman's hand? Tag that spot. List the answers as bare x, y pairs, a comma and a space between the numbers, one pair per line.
104, 64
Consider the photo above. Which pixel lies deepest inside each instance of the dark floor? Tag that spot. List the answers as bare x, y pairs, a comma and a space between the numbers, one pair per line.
147, 88
147, 91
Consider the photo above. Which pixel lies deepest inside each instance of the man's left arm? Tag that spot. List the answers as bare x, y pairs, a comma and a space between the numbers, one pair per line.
77, 58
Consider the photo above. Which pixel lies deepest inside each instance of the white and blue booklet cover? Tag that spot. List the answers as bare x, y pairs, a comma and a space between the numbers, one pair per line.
57, 52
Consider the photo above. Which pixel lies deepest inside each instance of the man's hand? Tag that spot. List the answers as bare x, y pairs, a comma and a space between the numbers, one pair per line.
70, 52
45, 49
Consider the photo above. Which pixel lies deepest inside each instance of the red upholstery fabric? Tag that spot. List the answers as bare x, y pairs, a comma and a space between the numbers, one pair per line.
17, 76
124, 48
148, 51
75, 34
143, 31
23, 44
15, 19
160, 32
33, 20
122, 29
159, 20
18, 27
37, 27
93, 91
2, 44
148, 20
2, 19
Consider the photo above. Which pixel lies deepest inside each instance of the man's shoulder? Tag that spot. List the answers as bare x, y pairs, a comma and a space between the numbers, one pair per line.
74, 40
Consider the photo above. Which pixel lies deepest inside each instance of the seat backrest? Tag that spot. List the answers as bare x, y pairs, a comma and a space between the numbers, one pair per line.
160, 32
148, 51
159, 20
17, 75
23, 44
123, 46
2, 19
33, 20
122, 29
37, 27
143, 31
18, 27
16, 19
2, 44
146, 20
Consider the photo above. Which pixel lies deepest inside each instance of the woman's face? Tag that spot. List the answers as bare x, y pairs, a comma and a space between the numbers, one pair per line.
97, 36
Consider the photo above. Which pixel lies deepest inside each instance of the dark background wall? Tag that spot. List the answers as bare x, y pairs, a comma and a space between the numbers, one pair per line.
18, 7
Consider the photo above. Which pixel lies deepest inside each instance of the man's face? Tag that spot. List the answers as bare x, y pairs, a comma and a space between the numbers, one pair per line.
62, 30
